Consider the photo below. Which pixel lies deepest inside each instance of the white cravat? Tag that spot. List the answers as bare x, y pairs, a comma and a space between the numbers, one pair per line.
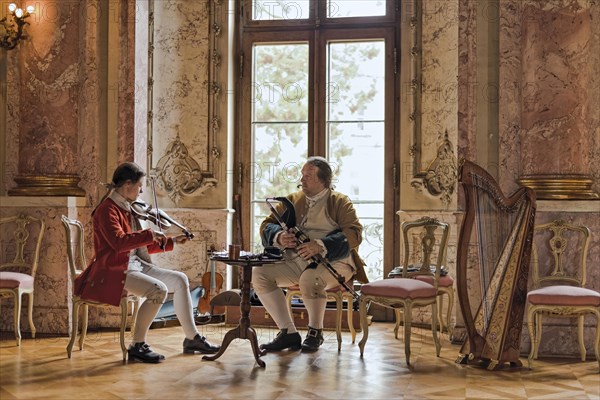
140, 253
311, 200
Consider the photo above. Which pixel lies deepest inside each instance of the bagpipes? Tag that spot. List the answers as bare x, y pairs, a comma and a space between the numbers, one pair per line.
287, 221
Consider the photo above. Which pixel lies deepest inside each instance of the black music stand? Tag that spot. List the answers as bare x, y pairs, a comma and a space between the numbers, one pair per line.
243, 330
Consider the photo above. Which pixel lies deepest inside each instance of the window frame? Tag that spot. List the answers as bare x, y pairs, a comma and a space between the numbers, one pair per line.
318, 35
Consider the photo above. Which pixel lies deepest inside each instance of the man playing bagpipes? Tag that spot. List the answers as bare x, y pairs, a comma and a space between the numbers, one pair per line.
319, 253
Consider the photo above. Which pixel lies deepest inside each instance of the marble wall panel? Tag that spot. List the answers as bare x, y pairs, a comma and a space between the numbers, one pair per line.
91, 144
438, 106
467, 76
556, 99
183, 86
440, 72
11, 131
49, 77
549, 67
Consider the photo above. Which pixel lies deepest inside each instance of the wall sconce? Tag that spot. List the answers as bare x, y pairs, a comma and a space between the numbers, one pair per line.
13, 26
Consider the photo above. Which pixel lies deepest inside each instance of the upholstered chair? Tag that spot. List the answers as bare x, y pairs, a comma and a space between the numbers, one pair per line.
558, 282
21, 243
406, 293
77, 263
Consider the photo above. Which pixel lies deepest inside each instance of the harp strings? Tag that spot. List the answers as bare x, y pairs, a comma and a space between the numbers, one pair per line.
496, 231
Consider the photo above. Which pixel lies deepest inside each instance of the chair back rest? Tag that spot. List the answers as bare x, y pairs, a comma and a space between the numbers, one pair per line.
565, 249
21, 241
424, 247
75, 246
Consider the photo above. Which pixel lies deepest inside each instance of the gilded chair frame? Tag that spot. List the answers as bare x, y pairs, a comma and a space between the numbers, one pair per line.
558, 243
21, 236
442, 290
338, 296
407, 304
75, 232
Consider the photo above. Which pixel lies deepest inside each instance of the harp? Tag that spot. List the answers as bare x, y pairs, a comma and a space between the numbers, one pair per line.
494, 259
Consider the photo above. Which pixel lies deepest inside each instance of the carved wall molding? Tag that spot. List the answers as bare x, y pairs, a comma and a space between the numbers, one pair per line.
416, 47
178, 173
440, 177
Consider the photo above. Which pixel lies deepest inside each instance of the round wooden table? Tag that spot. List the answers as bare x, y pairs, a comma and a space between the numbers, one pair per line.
243, 330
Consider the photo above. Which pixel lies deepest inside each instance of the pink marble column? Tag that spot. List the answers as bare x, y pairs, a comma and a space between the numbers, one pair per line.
48, 99
559, 99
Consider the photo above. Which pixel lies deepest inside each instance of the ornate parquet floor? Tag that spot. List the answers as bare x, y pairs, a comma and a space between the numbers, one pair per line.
40, 369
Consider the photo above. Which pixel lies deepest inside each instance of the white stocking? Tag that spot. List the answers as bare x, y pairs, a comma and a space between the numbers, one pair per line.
276, 305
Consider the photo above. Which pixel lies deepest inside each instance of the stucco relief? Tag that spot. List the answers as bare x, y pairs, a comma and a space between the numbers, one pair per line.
434, 92
439, 68
180, 175
440, 176
186, 99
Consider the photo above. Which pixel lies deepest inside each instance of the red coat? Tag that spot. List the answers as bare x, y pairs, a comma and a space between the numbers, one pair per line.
104, 278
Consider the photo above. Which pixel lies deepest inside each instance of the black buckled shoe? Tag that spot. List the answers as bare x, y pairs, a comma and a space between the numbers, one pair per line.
283, 341
313, 340
198, 344
141, 352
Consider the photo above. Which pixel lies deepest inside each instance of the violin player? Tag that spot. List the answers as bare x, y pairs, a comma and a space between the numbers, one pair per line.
329, 220
122, 262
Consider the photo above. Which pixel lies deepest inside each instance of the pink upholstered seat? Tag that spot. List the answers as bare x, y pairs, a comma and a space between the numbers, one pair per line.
399, 287
13, 280
562, 295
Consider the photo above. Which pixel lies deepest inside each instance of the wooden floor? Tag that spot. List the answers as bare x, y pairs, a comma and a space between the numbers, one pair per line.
40, 369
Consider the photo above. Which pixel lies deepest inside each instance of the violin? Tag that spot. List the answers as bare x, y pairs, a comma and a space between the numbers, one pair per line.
157, 216
213, 283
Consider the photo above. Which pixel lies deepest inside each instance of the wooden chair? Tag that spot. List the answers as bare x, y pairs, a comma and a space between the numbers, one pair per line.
558, 282
20, 252
338, 294
77, 263
406, 293
445, 287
